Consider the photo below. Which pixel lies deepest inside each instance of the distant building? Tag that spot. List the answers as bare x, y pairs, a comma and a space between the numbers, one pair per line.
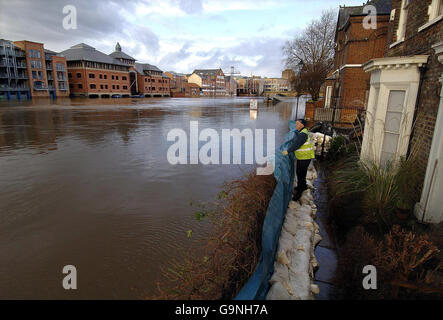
211, 81
276, 85
94, 73
27, 69
151, 81
289, 75
231, 86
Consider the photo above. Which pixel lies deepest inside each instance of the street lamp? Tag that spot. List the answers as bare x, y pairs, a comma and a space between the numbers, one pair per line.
300, 65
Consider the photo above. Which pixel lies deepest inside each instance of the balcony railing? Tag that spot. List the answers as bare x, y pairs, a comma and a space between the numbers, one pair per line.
48, 67
4, 87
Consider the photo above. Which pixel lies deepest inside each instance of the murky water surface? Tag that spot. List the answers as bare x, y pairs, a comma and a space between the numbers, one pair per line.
87, 183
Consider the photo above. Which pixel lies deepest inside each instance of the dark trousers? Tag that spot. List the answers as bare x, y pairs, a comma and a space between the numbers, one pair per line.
301, 170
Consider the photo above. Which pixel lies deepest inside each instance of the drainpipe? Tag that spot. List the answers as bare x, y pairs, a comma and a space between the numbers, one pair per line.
422, 69
429, 191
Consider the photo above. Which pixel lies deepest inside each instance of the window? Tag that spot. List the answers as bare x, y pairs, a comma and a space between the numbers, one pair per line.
101, 86
106, 86
69, 75
118, 87
125, 87
105, 76
80, 86
392, 124
124, 78
71, 86
92, 86
34, 74
79, 75
37, 53
100, 76
116, 77
328, 97
112, 77
91, 76
113, 86
31, 53
146, 80
40, 75
401, 31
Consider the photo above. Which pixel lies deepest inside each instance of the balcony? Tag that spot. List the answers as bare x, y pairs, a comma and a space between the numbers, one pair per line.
3, 75
22, 76
21, 65
4, 87
48, 67
61, 78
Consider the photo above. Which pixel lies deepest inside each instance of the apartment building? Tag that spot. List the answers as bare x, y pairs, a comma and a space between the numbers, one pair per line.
405, 105
211, 81
276, 85
92, 73
151, 81
27, 69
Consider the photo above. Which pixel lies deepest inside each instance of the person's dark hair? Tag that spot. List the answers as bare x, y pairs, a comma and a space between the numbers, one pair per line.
302, 121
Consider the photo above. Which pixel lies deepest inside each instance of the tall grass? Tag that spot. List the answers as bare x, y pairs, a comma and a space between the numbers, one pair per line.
376, 184
232, 252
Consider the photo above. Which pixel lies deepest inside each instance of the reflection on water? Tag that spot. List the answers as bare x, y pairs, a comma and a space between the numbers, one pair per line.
87, 183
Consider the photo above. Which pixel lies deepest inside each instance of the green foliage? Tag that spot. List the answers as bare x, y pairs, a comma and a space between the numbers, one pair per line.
339, 148
383, 187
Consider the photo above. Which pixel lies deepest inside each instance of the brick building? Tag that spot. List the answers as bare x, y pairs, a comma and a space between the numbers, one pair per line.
92, 73
405, 106
151, 81
347, 86
211, 81
27, 68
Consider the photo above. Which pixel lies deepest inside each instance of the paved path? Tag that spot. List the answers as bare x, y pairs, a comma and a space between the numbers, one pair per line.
326, 251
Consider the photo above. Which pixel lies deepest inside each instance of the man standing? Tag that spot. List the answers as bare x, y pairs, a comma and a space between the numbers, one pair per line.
303, 148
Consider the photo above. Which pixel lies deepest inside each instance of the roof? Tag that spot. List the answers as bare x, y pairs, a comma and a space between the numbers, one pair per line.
84, 52
206, 72
50, 52
118, 54
176, 74
383, 7
142, 67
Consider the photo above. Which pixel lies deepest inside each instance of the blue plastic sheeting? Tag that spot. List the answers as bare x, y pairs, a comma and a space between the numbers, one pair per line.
258, 285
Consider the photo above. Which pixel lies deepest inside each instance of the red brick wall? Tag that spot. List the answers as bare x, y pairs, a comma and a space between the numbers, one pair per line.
417, 43
355, 46
102, 85
27, 46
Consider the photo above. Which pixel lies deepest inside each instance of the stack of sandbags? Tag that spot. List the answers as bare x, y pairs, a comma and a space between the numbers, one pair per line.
295, 261
317, 139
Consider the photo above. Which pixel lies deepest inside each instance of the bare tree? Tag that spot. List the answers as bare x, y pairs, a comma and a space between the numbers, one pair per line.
315, 48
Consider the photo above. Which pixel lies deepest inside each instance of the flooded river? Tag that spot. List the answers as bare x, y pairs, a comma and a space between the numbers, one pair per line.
87, 183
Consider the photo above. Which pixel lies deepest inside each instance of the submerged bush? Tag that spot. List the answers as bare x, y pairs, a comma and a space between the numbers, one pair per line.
232, 252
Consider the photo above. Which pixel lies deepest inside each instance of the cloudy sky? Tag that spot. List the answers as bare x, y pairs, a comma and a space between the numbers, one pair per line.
178, 35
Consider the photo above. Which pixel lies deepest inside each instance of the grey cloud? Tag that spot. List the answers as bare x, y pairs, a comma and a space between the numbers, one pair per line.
98, 20
191, 6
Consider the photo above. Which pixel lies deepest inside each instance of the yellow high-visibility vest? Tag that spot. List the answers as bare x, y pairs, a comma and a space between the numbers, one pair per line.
306, 151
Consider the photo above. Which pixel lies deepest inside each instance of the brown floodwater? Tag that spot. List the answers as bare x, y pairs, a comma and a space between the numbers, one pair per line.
87, 183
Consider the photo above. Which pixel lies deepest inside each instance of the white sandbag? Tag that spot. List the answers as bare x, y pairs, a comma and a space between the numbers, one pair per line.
278, 292
286, 242
282, 258
281, 274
